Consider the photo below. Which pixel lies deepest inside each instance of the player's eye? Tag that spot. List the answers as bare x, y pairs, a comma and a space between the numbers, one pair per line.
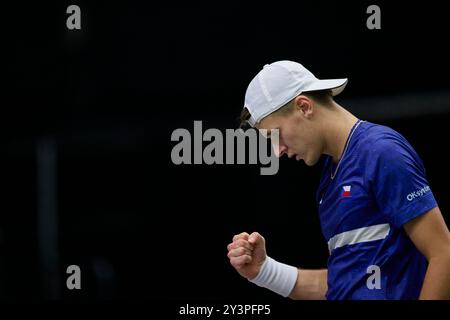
265, 133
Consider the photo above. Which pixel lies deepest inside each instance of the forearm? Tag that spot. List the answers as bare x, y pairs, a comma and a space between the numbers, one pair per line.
436, 285
310, 285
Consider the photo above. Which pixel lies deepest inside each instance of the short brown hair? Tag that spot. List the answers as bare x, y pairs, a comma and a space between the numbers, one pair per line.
323, 97
244, 116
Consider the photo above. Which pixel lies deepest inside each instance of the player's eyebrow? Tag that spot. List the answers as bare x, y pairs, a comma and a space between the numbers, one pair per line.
269, 132
266, 133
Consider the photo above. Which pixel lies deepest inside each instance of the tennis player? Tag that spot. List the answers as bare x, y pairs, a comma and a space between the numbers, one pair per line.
386, 236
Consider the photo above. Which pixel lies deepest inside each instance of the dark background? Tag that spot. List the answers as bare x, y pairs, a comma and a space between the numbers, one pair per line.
105, 99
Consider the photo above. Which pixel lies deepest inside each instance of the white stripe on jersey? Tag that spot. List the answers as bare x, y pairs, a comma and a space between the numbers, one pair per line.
365, 234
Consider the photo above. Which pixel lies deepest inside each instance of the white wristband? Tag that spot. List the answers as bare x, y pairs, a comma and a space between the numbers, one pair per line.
276, 276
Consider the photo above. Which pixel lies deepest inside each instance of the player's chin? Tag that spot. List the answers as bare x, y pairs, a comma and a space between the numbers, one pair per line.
310, 161
309, 164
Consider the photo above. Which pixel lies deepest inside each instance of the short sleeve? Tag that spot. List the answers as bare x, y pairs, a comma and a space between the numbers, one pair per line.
396, 176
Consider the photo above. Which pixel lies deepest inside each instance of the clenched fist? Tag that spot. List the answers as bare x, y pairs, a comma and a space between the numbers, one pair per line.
247, 253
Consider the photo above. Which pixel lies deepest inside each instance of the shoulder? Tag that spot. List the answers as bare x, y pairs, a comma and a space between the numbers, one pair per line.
389, 151
377, 134
382, 141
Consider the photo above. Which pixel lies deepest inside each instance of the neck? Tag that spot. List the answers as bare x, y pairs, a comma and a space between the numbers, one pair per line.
336, 129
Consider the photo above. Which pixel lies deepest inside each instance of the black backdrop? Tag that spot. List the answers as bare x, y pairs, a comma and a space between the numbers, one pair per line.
108, 97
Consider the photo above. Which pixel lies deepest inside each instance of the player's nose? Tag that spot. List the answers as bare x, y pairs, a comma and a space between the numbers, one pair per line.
281, 150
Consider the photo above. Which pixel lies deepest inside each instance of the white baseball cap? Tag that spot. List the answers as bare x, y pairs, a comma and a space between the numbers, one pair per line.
280, 82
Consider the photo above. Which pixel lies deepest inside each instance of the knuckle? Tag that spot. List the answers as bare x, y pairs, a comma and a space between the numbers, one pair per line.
235, 252
242, 242
241, 235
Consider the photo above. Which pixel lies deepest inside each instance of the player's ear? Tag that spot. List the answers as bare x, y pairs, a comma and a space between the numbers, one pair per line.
303, 104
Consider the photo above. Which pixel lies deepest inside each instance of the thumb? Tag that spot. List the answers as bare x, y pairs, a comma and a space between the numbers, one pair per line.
256, 239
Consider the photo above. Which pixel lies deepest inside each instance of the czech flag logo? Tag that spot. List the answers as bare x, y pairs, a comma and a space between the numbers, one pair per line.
346, 191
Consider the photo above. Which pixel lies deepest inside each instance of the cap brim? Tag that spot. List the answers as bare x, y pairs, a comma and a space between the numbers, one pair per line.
335, 85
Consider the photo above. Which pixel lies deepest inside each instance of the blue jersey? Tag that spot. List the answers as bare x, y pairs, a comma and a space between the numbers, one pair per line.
379, 186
